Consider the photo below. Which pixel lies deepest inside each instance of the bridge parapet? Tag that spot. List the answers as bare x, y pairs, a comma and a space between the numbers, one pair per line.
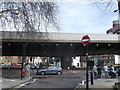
57, 37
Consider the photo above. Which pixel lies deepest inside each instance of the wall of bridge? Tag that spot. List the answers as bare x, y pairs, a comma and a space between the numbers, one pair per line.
57, 37
64, 45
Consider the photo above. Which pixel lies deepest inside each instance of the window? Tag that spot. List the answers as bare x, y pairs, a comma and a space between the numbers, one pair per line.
50, 68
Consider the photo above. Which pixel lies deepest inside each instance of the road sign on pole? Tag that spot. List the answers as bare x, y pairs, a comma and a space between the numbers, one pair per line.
85, 41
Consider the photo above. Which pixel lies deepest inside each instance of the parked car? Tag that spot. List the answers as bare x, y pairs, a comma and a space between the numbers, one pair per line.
18, 66
2, 64
118, 71
50, 70
13, 65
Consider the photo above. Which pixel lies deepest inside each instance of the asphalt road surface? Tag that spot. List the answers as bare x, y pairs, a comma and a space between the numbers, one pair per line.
69, 79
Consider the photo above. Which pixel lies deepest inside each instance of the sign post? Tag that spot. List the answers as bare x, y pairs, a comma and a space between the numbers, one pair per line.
85, 41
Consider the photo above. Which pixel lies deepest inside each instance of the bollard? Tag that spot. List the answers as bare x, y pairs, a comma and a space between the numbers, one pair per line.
91, 77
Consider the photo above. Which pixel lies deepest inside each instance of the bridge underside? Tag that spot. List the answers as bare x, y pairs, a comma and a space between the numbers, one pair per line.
57, 49
53, 49
63, 45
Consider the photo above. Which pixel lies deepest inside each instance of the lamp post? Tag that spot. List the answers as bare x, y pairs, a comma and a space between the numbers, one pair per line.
118, 14
119, 5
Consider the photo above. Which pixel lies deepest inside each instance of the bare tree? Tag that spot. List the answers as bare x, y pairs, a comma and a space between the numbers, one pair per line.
105, 6
29, 16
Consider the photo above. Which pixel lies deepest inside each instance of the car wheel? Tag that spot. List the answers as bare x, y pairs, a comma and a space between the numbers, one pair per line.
42, 73
59, 73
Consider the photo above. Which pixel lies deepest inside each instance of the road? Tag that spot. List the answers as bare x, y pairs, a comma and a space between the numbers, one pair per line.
11, 73
69, 79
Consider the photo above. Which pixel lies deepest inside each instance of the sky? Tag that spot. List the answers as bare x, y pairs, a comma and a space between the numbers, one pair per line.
82, 16
86, 17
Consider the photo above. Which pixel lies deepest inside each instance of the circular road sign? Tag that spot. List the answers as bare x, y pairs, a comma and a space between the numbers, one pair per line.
85, 40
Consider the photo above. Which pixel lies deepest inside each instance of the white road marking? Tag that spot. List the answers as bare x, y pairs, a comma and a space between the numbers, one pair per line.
21, 85
80, 85
83, 82
9, 80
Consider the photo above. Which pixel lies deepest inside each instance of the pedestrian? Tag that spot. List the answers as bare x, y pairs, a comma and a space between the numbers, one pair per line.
110, 71
27, 69
99, 71
113, 72
35, 65
23, 72
106, 71
95, 71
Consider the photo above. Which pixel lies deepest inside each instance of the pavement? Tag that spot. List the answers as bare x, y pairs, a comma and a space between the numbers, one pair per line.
98, 83
104, 83
13, 82
11, 79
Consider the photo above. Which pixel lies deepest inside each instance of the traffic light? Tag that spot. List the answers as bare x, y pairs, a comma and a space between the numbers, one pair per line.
44, 53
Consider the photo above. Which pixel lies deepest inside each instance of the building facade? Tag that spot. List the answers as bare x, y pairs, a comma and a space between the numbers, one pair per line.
115, 29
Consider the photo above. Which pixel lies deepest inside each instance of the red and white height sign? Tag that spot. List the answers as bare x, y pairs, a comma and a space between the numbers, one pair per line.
85, 40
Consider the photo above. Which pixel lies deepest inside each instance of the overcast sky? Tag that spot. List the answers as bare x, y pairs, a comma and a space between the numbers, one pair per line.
86, 17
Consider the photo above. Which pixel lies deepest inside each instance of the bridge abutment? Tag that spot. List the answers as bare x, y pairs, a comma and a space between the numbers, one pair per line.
66, 62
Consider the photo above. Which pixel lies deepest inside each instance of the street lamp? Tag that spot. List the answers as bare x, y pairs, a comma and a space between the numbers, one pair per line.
118, 14
118, 31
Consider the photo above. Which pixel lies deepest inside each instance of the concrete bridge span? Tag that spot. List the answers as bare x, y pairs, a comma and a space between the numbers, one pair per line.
64, 45
57, 44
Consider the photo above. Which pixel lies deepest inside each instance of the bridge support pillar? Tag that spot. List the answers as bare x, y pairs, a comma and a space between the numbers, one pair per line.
66, 62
